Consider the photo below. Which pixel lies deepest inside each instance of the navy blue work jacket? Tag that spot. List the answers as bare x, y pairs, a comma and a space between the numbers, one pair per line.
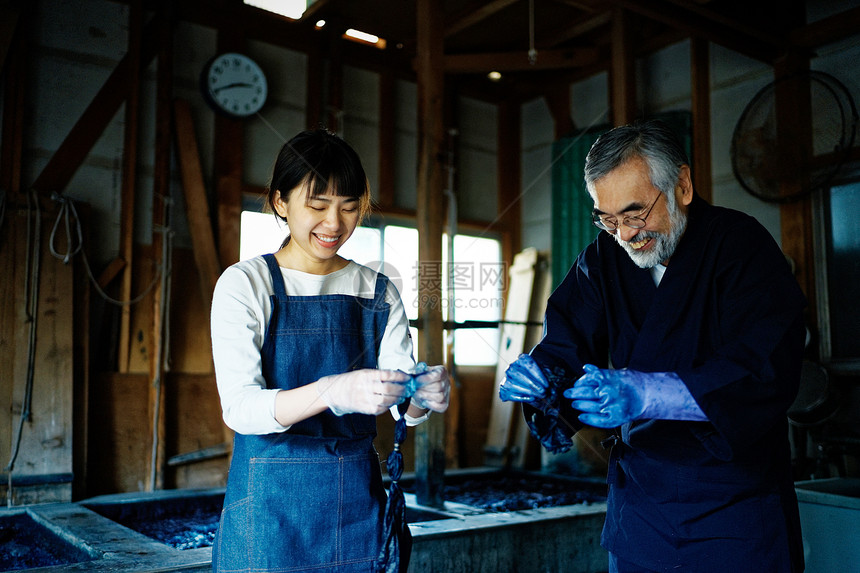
727, 318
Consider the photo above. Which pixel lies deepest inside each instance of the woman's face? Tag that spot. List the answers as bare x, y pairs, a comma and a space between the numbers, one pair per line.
318, 227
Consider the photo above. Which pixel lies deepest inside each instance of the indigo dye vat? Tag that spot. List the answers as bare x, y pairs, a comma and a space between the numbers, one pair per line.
491, 521
25, 544
184, 519
500, 520
181, 520
518, 491
501, 491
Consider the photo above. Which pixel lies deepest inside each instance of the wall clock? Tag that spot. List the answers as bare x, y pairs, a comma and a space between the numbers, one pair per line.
234, 84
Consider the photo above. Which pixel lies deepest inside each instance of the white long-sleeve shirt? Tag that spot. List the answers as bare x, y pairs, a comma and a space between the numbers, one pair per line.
241, 309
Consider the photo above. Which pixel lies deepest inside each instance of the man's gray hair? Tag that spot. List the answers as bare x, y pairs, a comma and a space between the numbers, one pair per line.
651, 140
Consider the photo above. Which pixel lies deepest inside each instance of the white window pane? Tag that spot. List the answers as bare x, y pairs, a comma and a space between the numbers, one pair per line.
363, 247
260, 233
400, 253
478, 347
478, 277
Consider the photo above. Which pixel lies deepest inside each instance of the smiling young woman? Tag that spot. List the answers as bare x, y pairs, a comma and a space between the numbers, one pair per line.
309, 347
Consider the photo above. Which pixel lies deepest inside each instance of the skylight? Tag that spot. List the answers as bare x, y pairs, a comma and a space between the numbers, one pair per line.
294, 9
289, 8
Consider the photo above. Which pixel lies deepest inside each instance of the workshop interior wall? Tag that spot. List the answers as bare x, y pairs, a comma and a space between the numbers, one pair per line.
75, 46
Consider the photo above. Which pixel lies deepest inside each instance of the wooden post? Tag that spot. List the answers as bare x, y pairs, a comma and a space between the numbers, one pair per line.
700, 79
385, 187
196, 205
129, 176
794, 120
793, 108
160, 194
429, 437
14, 108
557, 98
229, 150
509, 178
622, 72
313, 98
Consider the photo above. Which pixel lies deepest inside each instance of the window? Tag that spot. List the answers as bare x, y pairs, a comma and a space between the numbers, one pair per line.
477, 274
290, 8
838, 245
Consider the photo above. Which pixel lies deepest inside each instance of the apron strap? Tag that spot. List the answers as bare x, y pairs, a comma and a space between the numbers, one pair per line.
277, 277
381, 288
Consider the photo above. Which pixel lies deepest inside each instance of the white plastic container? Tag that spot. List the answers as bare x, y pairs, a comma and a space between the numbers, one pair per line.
830, 518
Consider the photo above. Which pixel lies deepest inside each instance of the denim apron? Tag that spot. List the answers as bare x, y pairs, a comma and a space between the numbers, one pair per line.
310, 498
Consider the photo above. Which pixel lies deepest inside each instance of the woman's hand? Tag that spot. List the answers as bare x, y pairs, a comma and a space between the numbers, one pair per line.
366, 391
433, 390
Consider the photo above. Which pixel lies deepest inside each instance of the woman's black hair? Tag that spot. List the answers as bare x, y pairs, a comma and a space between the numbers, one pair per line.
324, 162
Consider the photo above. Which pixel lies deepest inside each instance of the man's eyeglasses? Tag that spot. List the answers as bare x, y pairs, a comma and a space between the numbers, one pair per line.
610, 224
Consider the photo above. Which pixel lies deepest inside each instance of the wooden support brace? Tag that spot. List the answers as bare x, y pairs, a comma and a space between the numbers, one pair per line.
196, 202
520, 285
92, 123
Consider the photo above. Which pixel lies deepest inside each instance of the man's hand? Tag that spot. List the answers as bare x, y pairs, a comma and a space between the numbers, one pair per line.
524, 382
610, 398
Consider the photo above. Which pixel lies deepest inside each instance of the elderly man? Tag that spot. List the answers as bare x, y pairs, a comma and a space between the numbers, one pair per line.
687, 323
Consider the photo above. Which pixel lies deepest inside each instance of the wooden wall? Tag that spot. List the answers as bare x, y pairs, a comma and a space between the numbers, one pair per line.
45, 356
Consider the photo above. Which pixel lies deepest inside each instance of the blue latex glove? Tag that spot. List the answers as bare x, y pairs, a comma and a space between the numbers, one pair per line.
412, 383
610, 398
432, 387
428, 386
524, 382
527, 382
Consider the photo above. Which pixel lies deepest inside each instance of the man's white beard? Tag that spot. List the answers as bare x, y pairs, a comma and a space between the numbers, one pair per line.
665, 244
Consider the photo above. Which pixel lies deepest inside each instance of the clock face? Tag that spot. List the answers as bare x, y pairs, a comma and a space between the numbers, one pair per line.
234, 84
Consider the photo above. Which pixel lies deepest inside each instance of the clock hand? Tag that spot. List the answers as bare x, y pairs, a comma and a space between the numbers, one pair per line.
233, 85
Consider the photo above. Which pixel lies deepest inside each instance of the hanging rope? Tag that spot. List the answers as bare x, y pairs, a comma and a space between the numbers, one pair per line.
74, 245
32, 274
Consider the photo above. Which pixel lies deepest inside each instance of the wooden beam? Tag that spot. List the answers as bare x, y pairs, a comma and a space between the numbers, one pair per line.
14, 108
622, 71
196, 202
827, 30
696, 21
110, 272
468, 19
700, 90
89, 127
387, 143
129, 177
314, 9
519, 61
429, 437
579, 29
